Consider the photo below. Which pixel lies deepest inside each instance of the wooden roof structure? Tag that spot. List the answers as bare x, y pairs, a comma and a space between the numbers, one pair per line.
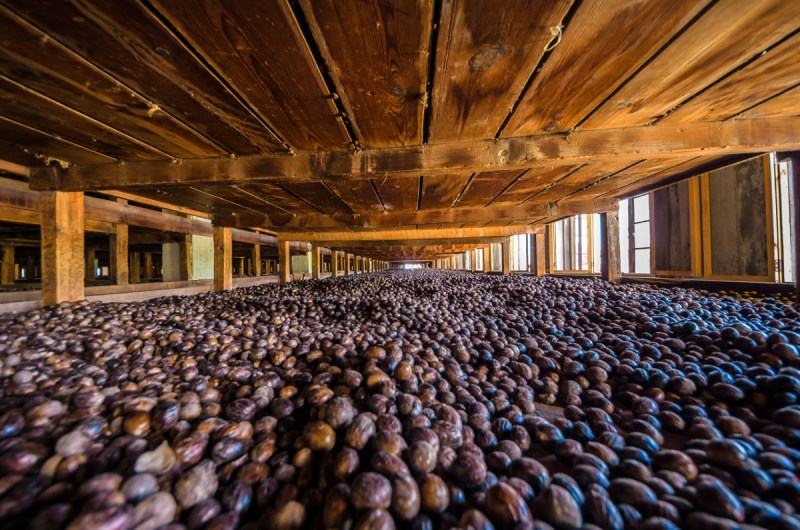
351, 120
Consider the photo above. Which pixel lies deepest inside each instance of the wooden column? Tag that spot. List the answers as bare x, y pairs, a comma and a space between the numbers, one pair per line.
148, 266
487, 259
316, 261
136, 267
539, 250
256, 259
284, 261
7, 272
610, 265
186, 258
474, 260
223, 258
334, 263
118, 243
505, 247
346, 264
62, 246
91, 272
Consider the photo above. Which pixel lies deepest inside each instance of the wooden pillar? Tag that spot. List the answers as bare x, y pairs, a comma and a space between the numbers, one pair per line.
316, 261
334, 263
223, 258
62, 246
539, 250
90, 270
346, 264
118, 243
474, 260
185, 257
256, 260
136, 267
505, 247
487, 259
148, 266
610, 265
7, 274
284, 261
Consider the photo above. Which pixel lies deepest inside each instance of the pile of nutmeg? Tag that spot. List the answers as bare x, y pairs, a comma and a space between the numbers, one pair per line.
424, 400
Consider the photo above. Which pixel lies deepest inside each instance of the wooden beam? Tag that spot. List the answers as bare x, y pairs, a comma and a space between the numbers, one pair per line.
62, 247
335, 263
409, 242
153, 202
316, 262
14, 169
539, 251
610, 265
7, 271
519, 214
256, 259
223, 259
505, 248
284, 261
634, 143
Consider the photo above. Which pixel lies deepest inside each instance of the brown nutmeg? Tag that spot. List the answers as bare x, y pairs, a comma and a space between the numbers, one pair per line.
319, 436
371, 491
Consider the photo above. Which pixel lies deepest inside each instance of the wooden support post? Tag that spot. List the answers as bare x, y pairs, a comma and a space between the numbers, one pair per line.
7, 274
256, 260
284, 261
474, 259
62, 246
148, 266
539, 250
487, 259
136, 267
316, 262
223, 258
505, 247
90, 269
346, 263
186, 258
334, 263
118, 243
610, 265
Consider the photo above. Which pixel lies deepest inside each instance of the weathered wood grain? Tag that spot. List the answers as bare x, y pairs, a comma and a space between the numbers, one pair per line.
604, 44
771, 74
485, 186
277, 195
128, 42
786, 104
62, 247
398, 194
258, 48
533, 182
485, 54
359, 195
45, 146
644, 169
667, 140
32, 58
441, 191
319, 196
223, 262
24, 105
727, 35
610, 261
582, 178
376, 51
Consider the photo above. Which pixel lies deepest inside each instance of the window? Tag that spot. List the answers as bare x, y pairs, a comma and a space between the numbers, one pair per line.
520, 252
634, 234
574, 242
478, 259
412, 266
783, 226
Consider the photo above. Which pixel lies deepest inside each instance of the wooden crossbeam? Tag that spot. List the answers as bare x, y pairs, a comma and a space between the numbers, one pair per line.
476, 241
634, 143
287, 222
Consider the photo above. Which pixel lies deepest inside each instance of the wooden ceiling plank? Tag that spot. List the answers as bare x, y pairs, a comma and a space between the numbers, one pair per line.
444, 241
388, 235
279, 196
258, 48
441, 191
47, 146
486, 184
602, 46
771, 74
485, 54
377, 55
40, 63
398, 193
24, 105
285, 222
729, 34
318, 195
635, 173
534, 181
583, 177
785, 104
359, 195
127, 41
667, 140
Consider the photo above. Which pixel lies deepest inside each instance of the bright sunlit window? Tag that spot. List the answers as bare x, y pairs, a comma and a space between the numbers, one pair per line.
634, 234
520, 252
572, 244
410, 266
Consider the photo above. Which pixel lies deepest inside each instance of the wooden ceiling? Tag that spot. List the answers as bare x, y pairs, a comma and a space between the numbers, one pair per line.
354, 116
